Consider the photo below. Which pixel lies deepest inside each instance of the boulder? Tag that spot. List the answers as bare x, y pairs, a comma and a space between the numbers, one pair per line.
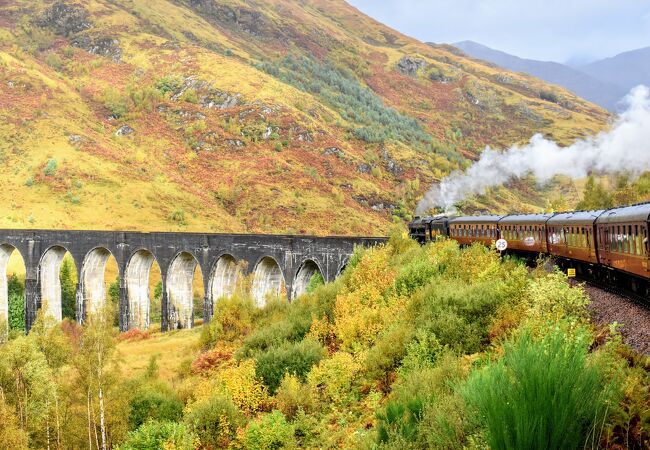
124, 130
409, 65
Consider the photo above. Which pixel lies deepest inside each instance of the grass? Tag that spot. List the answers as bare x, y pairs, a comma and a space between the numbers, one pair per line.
171, 348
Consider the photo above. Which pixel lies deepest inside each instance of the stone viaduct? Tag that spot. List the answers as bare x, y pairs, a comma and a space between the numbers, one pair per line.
278, 264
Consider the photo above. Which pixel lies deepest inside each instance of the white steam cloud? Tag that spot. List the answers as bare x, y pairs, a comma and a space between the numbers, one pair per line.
624, 148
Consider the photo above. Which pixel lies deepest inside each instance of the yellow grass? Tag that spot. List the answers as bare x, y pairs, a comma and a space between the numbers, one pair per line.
171, 349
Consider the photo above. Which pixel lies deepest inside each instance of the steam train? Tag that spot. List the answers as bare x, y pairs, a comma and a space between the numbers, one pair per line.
608, 245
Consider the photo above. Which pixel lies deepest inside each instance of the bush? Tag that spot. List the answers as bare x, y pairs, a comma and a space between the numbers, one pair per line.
334, 378
16, 312
549, 96
457, 314
170, 84
152, 402
233, 319
424, 411
155, 435
542, 394
315, 281
292, 358
116, 102
270, 432
214, 420
293, 396
292, 329
387, 354
50, 167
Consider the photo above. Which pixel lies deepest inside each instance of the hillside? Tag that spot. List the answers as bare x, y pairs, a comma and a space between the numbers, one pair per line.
245, 116
604, 93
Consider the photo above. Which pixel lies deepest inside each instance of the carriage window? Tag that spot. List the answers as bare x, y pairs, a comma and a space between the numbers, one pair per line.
638, 241
645, 239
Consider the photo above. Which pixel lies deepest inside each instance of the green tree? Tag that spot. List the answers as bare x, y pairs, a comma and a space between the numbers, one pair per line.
594, 196
625, 193
27, 385
155, 435
68, 277
11, 435
98, 376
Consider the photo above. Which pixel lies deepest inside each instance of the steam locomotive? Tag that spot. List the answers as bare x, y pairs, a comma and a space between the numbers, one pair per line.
609, 245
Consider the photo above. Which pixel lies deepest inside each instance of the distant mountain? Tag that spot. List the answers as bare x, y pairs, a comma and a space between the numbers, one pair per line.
593, 88
626, 70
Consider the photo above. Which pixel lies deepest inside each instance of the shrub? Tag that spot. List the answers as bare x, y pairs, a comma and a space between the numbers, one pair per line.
116, 102
50, 167
233, 319
458, 314
214, 420
422, 352
244, 387
549, 96
170, 84
153, 402
210, 360
542, 394
156, 435
293, 396
54, 61
551, 298
413, 276
16, 312
270, 432
400, 418
334, 378
315, 281
275, 334
293, 358
363, 310
387, 354
424, 411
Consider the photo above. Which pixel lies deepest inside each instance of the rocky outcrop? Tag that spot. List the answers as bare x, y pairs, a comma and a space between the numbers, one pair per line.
105, 46
124, 130
334, 151
64, 19
409, 65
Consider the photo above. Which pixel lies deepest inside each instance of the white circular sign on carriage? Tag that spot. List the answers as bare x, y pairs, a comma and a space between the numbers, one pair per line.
502, 244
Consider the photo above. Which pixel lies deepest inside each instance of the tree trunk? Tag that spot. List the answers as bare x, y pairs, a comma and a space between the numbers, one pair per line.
102, 422
90, 436
58, 423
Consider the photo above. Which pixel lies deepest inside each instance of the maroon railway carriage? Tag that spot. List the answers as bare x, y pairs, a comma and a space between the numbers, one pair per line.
623, 239
525, 232
468, 229
571, 235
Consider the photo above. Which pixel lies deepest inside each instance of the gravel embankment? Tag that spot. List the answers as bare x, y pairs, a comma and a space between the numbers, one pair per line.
607, 307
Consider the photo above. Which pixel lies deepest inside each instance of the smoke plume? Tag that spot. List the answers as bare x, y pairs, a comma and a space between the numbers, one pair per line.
624, 148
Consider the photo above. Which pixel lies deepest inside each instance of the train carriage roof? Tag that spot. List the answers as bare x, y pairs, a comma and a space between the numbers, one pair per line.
575, 218
635, 213
525, 218
487, 219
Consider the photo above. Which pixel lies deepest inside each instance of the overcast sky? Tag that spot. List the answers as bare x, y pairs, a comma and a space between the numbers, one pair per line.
555, 30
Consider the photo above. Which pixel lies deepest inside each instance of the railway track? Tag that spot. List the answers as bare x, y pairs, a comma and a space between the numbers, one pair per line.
611, 304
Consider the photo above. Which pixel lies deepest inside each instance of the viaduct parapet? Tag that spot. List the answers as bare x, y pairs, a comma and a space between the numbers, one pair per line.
278, 264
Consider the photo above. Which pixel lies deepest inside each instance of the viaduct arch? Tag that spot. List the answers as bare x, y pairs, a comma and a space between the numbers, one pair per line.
279, 265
